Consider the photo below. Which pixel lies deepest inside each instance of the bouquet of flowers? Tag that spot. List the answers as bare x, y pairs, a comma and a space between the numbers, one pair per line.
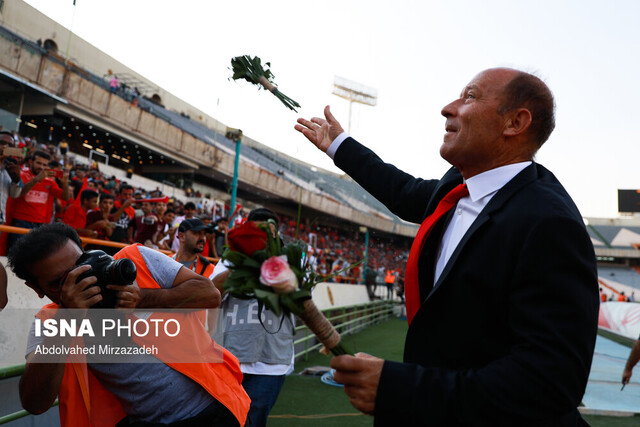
250, 69
278, 276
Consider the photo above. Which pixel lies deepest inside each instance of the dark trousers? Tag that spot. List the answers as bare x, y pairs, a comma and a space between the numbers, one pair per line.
215, 414
263, 391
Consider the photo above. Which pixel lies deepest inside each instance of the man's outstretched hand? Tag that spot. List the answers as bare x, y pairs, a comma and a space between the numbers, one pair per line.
321, 132
360, 375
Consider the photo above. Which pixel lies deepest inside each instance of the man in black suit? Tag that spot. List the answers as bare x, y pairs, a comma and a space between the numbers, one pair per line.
506, 311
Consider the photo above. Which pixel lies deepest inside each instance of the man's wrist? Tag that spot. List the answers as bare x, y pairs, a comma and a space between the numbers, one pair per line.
331, 151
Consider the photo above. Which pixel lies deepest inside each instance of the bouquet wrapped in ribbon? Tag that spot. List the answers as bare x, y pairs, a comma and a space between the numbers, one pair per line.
278, 276
250, 69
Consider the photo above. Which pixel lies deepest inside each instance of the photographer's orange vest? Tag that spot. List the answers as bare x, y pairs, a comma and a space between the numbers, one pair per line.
84, 401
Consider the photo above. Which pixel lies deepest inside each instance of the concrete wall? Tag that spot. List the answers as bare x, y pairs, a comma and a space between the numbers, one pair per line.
23, 19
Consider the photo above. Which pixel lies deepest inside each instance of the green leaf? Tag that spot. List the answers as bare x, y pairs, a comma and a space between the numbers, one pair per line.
251, 263
235, 258
271, 300
243, 275
294, 254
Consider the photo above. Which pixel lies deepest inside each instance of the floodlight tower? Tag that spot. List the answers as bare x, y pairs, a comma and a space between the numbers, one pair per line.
354, 92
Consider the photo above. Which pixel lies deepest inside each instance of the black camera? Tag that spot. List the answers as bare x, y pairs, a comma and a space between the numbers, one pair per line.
108, 271
8, 161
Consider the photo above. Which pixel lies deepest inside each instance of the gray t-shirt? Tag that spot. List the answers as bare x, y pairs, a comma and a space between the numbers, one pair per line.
149, 391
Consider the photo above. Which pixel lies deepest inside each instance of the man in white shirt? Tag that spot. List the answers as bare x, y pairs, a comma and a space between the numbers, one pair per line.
486, 344
262, 341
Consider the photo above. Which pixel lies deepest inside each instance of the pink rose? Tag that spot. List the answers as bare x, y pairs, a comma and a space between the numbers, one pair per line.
275, 272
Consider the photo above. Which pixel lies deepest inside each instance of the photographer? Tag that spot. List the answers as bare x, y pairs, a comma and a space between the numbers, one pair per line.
140, 394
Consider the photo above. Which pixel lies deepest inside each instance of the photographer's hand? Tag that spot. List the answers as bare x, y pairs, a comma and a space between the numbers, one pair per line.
127, 296
13, 168
81, 294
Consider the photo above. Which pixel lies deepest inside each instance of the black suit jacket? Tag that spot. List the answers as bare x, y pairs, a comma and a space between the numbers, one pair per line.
506, 335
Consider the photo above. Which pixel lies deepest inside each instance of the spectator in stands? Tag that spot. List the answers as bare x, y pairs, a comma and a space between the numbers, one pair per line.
264, 349
622, 297
10, 181
122, 214
34, 207
164, 237
76, 214
220, 232
79, 173
98, 219
524, 361
113, 83
145, 225
189, 213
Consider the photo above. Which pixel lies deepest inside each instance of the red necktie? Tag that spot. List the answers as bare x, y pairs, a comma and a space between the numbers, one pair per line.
411, 286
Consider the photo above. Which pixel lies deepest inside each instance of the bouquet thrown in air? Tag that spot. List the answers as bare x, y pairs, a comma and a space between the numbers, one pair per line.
251, 70
278, 276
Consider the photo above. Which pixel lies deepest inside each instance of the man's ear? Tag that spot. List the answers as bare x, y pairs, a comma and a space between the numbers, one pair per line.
517, 122
36, 288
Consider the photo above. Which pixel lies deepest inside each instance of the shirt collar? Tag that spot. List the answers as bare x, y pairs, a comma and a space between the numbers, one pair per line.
489, 182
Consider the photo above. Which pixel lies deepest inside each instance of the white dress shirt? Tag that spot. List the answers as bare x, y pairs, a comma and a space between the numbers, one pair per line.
482, 188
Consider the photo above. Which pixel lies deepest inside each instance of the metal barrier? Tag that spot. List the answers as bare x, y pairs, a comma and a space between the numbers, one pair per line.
10, 372
346, 320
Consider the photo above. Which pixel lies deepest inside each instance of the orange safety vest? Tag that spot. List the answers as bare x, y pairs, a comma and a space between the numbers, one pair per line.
84, 401
390, 277
204, 267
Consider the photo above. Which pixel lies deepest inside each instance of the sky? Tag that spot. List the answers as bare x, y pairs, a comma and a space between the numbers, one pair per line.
418, 55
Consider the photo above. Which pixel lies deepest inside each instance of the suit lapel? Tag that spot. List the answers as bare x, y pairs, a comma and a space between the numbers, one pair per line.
526, 176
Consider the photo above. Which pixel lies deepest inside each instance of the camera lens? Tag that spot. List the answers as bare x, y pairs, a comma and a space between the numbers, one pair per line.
123, 272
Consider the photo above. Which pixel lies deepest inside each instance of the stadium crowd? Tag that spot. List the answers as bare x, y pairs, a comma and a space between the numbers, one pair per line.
102, 207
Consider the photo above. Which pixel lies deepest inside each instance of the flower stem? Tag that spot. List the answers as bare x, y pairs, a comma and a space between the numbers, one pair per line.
322, 328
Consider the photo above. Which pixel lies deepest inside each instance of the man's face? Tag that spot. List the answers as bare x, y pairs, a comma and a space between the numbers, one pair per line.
193, 241
189, 213
474, 128
80, 173
161, 208
51, 270
106, 205
90, 203
38, 164
146, 208
126, 194
168, 218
